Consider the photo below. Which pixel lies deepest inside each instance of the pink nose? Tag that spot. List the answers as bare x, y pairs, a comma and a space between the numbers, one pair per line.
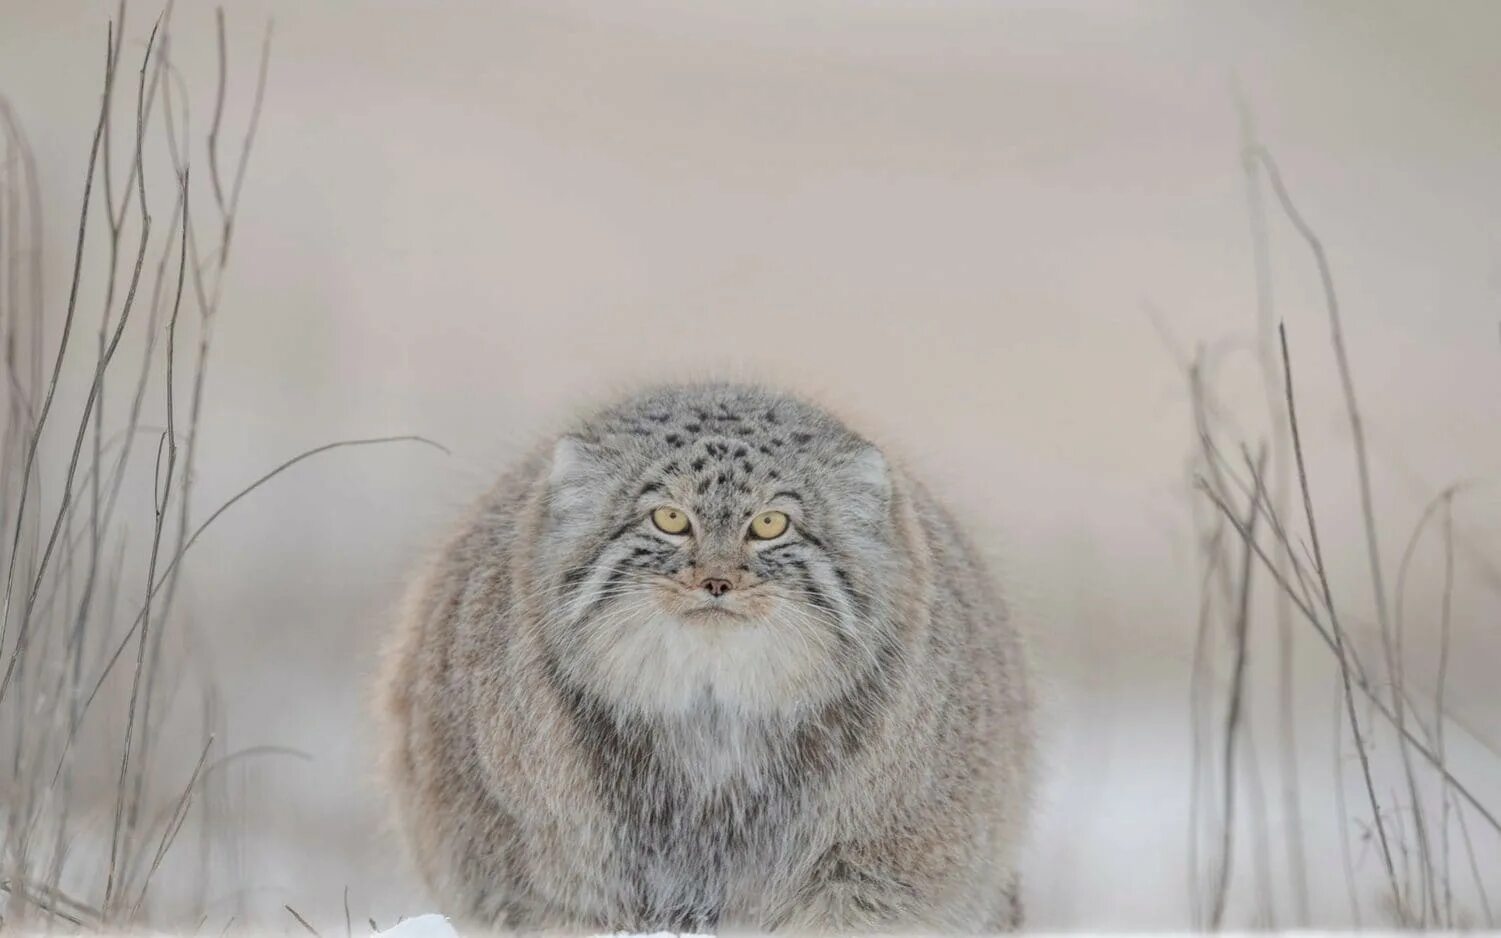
716, 586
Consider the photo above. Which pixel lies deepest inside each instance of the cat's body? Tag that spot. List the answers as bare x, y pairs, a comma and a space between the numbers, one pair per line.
584, 734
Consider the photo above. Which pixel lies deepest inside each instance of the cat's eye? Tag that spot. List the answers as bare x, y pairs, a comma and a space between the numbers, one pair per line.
767, 525
670, 520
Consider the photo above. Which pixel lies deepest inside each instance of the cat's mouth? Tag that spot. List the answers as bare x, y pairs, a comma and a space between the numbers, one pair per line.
696, 606
713, 612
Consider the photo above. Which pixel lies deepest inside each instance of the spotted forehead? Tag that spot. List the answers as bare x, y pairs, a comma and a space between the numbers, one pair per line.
718, 456
729, 430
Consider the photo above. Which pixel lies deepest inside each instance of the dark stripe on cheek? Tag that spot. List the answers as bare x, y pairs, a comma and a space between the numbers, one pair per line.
805, 535
576, 576
617, 576
816, 595
860, 601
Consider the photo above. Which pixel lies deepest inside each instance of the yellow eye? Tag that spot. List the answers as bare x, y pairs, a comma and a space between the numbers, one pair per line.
768, 524
670, 520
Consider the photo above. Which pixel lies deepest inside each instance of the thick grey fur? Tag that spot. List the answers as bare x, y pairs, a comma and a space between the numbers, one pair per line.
579, 738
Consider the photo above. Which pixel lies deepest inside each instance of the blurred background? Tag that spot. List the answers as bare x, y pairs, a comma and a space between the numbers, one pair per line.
991, 235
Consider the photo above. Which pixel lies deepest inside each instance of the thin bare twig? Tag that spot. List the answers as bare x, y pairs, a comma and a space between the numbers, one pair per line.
1271, 381
1445, 619
51, 902
198, 532
1363, 474
169, 446
1335, 641
62, 346
1232, 734
303, 922
93, 396
200, 370
1336, 327
169, 834
1377, 703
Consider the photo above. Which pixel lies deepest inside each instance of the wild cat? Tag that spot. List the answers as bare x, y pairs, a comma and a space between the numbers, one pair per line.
711, 661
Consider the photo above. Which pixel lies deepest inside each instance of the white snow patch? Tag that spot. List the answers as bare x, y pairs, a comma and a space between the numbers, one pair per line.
431, 925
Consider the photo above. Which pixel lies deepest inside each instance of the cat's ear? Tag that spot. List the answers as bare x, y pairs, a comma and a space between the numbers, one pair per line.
572, 477
867, 480
570, 458
867, 466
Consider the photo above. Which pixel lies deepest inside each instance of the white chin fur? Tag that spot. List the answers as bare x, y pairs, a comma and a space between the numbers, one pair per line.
653, 662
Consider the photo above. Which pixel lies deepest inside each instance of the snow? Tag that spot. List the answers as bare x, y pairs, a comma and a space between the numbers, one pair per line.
431, 925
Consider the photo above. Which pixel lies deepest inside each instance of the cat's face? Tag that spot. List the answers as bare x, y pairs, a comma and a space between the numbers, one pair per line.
717, 545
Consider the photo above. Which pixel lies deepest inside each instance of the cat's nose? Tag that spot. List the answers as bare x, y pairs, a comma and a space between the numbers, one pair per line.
716, 586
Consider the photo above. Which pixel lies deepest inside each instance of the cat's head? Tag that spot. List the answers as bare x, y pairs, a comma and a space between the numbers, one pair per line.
717, 543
